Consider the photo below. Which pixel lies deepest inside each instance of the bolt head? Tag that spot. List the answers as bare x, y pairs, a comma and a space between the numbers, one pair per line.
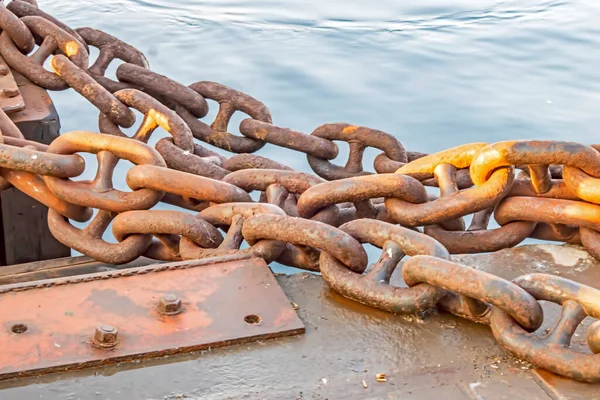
169, 304
105, 336
3, 70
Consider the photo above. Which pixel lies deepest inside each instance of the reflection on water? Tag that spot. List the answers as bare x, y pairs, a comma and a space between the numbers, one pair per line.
435, 75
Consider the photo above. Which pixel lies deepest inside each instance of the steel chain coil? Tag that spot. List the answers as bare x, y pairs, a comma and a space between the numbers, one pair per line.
313, 222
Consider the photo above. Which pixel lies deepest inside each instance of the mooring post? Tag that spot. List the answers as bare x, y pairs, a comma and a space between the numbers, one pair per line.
26, 236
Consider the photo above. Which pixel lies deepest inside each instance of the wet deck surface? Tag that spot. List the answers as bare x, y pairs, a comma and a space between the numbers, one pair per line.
345, 344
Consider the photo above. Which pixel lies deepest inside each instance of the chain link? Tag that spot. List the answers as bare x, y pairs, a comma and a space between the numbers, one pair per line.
315, 222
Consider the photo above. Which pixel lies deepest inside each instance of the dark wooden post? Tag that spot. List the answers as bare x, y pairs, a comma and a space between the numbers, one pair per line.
24, 221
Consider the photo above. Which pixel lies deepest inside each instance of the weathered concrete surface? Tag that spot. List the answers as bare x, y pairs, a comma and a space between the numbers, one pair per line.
345, 344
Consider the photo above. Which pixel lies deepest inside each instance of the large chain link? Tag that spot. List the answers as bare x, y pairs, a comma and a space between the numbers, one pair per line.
307, 221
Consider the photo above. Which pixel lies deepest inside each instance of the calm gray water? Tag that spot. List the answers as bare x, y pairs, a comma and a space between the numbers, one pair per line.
435, 75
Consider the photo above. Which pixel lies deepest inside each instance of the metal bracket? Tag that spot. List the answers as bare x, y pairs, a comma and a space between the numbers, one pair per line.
10, 96
144, 312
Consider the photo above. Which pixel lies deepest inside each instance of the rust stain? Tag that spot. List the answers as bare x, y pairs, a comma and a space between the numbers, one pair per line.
60, 320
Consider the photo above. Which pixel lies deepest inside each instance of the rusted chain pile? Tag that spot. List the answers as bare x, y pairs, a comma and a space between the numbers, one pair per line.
313, 222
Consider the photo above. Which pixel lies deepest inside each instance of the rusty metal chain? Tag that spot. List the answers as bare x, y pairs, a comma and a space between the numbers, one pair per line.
315, 222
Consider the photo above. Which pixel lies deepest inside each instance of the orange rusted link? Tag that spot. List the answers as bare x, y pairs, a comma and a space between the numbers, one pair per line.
32, 2
358, 209
21, 142
445, 175
8, 128
547, 232
33, 185
300, 231
261, 179
452, 206
185, 202
277, 194
477, 239
222, 214
558, 190
309, 144
40, 162
301, 257
385, 165
27, 8
100, 193
110, 48
184, 184
85, 85
155, 115
249, 161
164, 248
11, 135
531, 153
555, 211
481, 241
561, 230
166, 222
551, 211
16, 29
373, 288
357, 189
233, 215
460, 157
277, 186
89, 240
167, 226
230, 101
208, 154
54, 38
558, 290
540, 178
81, 141
194, 163
579, 182
476, 285
481, 219
359, 138
289, 203
553, 351
555, 171
590, 239
463, 180
160, 84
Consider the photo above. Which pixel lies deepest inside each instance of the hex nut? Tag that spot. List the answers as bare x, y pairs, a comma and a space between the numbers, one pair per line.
105, 336
169, 304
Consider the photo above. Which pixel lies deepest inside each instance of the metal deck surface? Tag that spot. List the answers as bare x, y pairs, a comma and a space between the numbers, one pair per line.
345, 344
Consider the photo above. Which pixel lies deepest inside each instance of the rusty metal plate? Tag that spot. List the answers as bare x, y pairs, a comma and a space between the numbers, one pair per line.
561, 388
10, 95
52, 325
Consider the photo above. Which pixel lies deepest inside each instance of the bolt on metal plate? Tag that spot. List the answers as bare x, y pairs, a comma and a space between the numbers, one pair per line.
10, 95
144, 312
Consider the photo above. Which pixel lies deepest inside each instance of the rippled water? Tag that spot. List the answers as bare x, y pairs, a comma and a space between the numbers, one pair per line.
435, 75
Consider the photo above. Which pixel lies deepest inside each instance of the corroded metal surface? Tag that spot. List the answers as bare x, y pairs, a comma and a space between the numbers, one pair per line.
120, 316
435, 356
54, 39
296, 216
11, 99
